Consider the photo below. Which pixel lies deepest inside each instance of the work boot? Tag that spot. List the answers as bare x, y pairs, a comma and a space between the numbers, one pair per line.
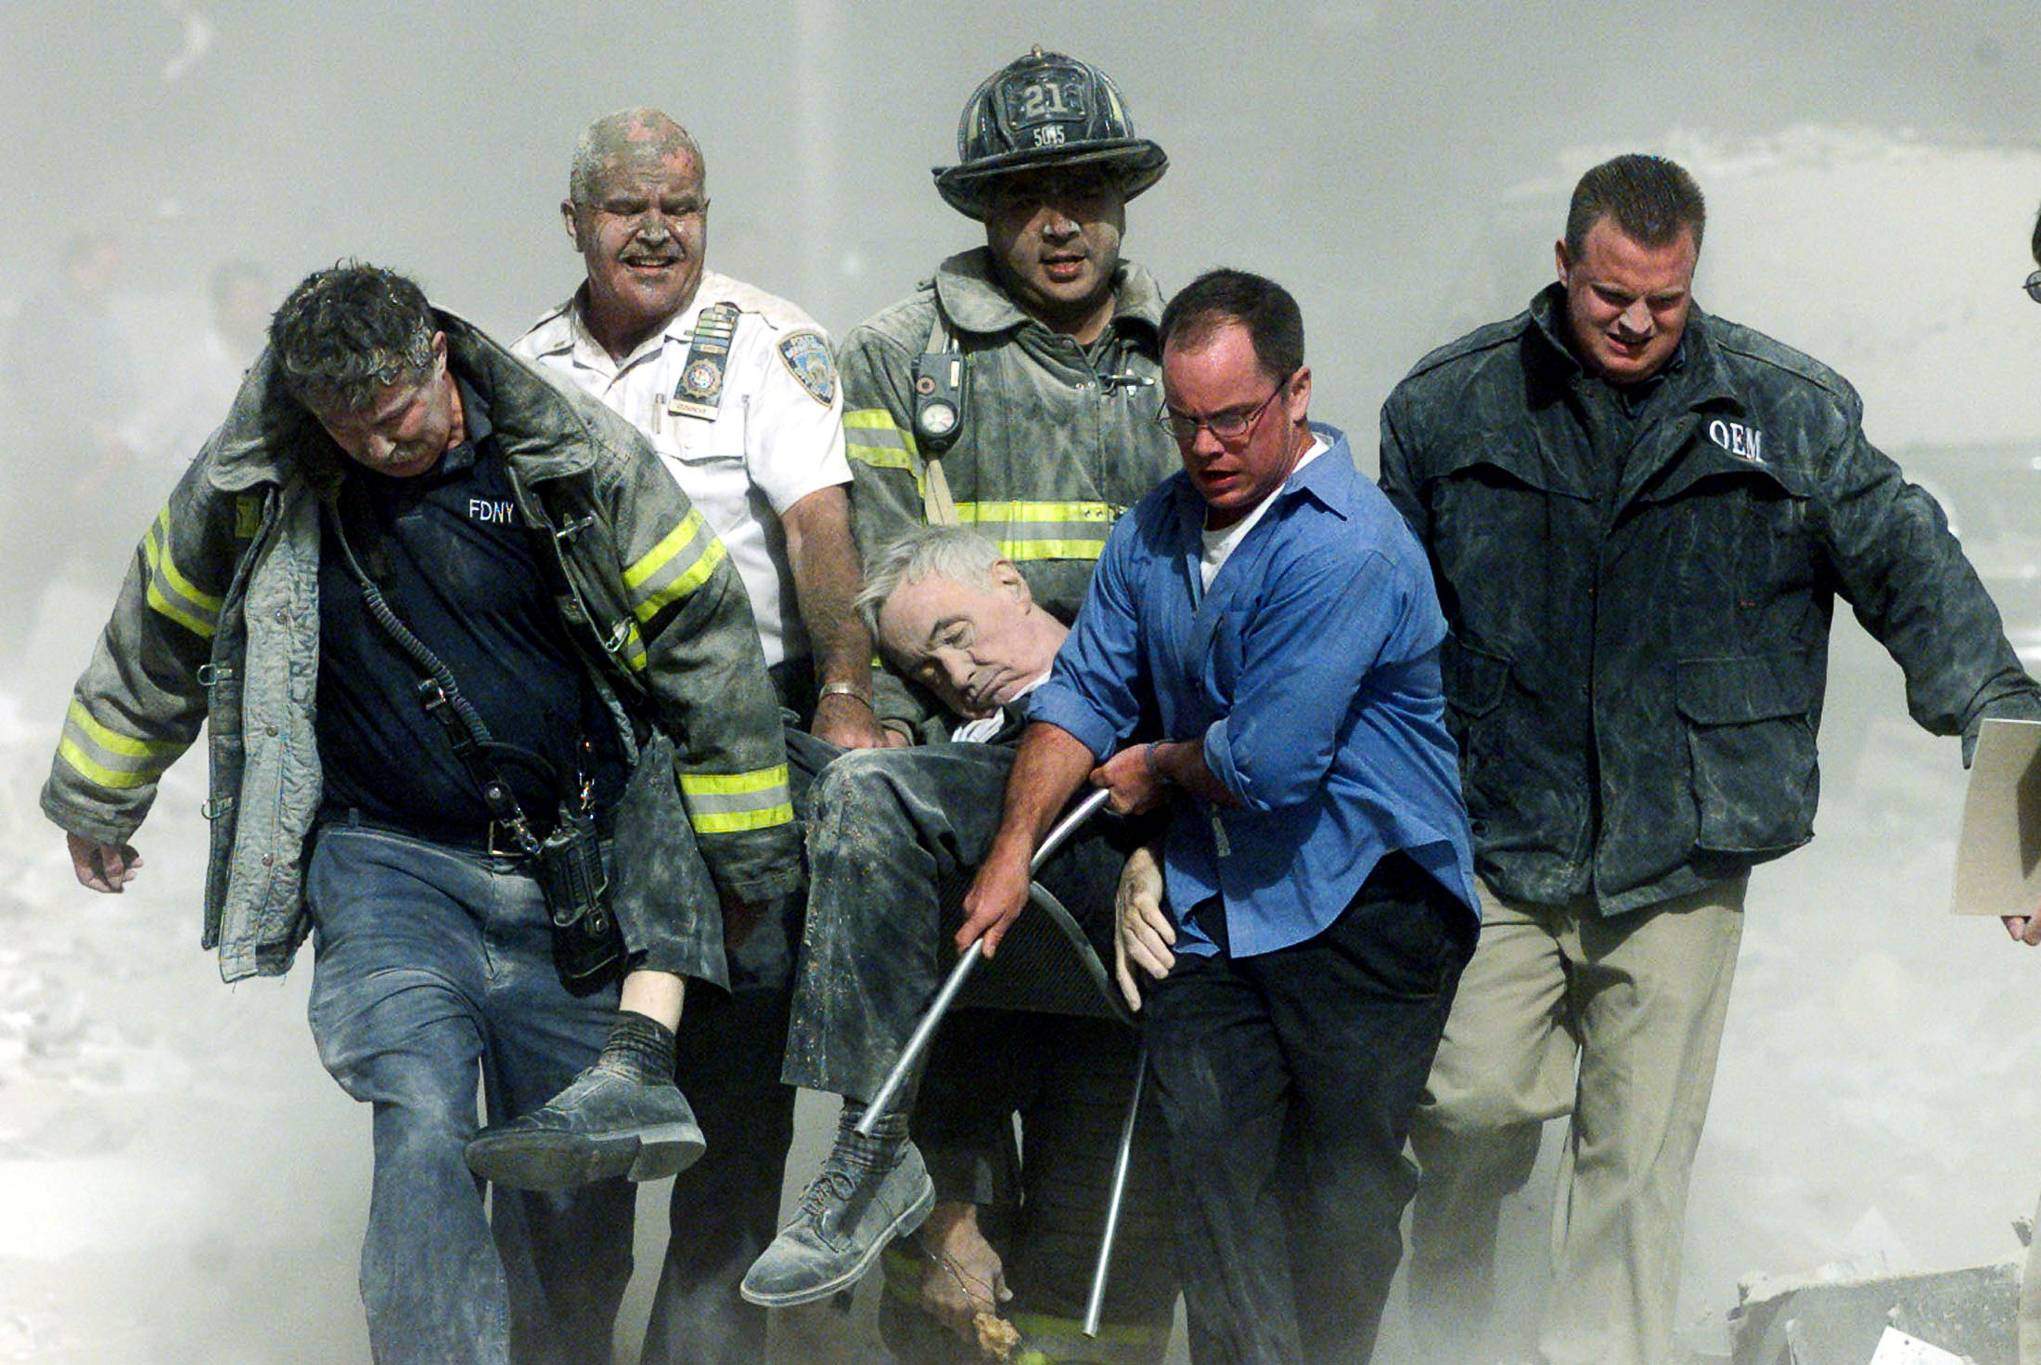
870, 1190
622, 1116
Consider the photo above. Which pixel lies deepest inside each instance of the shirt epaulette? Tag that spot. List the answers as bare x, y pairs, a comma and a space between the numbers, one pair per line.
774, 311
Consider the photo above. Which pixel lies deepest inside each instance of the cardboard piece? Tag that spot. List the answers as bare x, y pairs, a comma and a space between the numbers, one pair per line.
1897, 1348
1998, 854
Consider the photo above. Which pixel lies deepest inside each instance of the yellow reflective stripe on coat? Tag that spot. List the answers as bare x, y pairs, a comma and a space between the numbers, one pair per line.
109, 758
730, 803
673, 568
1043, 530
871, 436
170, 593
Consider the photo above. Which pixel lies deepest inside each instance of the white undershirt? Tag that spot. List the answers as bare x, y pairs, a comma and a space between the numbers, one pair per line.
1219, 545
985, 727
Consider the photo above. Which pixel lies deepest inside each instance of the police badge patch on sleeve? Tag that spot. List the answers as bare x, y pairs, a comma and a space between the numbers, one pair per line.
806, 356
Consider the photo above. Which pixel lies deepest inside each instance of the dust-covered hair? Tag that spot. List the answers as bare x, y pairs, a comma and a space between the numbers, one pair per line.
349, 331
953, 552
1652, 199
602, 140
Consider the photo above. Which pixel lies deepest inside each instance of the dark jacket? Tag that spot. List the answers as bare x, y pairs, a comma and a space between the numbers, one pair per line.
218, 621
1636, 681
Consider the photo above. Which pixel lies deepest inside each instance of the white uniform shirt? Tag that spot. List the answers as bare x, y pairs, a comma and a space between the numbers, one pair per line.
774, 440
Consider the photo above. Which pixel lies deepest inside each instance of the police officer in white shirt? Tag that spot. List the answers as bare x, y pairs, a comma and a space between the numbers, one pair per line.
739, 394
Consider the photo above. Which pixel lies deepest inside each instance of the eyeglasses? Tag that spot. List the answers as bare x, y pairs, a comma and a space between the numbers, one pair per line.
1226, 427
2034, 286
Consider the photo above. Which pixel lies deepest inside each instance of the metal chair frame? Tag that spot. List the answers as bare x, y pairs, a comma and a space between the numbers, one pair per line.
946, 997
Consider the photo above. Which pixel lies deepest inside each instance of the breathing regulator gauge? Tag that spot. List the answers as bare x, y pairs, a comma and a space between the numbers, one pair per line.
938, 398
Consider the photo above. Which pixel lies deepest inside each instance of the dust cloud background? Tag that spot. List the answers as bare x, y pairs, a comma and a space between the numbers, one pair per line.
180, 1179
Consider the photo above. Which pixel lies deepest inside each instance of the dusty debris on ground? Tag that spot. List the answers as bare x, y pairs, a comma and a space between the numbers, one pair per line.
1969, 1314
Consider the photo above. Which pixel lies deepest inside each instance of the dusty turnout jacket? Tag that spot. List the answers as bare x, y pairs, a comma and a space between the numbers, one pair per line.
218, 621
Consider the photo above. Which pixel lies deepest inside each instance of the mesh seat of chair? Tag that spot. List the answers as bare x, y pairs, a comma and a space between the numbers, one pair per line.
1045, 964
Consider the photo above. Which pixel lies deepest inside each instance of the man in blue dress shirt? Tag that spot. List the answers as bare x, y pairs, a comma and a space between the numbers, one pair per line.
1269, 616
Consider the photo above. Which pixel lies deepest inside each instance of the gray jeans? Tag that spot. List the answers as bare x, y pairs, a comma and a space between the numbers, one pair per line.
433, 971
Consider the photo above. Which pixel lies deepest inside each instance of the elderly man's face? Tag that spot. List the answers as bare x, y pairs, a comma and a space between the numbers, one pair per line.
1627, 303
642, 234
972, 644
1218, 379
408, 426
1056, 236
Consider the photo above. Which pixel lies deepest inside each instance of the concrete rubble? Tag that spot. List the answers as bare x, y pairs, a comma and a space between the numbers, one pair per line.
1939, 1318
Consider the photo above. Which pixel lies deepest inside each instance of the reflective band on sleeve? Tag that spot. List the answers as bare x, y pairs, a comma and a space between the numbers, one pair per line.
729, 803
172, 594
673, 568
1043, 530
871, 436
111, 759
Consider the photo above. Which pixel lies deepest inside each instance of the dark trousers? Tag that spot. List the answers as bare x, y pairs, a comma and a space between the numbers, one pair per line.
1069, 1080
726, 1207
433, 969
1286, 1083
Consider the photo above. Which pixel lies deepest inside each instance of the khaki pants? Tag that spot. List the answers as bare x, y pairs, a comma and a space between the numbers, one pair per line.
1616, 1021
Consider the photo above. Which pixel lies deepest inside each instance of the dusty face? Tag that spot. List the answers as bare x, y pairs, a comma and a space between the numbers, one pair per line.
1055, 235
973, 645
405, 430
1219, 379
642, 235
1627, 303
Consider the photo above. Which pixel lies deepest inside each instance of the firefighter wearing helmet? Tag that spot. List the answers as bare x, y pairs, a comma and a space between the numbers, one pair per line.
1016, 392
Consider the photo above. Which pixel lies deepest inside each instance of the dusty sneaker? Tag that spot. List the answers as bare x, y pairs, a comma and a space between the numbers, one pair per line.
870, 1190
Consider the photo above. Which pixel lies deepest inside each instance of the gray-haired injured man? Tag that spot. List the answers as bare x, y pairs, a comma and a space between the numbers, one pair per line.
893, 836
530, 541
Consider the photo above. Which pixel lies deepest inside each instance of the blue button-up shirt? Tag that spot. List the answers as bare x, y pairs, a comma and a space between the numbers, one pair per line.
1311, 671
